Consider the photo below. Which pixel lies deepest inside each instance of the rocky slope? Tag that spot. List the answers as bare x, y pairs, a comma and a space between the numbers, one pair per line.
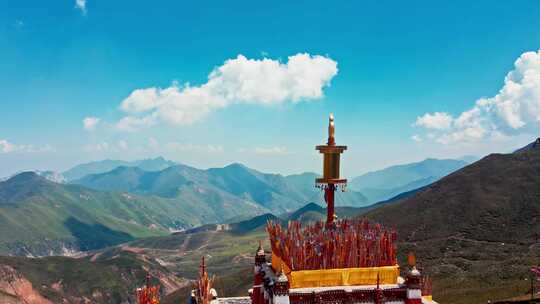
109, 280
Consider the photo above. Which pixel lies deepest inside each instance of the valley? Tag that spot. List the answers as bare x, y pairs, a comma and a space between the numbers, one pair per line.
483, 253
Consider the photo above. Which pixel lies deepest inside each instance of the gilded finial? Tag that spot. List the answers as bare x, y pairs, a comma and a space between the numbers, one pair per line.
331, 130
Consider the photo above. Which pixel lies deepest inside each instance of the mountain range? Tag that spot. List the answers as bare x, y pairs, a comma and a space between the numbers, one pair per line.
275, 192
151, 164
474, 231
40, 217
152, 197
386, 183
376, 186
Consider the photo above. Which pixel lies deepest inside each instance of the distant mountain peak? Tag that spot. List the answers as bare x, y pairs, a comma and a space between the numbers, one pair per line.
469, 158
532, 146
386, 183
23, 185
307, 208
26, 177
236, 165
150, 164
126, 169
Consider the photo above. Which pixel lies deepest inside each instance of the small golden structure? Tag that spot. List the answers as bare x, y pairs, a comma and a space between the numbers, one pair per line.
331, 178
331, 153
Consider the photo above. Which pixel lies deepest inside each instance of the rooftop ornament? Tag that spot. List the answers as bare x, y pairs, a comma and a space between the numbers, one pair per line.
331, 179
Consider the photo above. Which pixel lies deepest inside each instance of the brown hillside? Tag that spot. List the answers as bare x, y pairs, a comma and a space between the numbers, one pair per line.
477, 229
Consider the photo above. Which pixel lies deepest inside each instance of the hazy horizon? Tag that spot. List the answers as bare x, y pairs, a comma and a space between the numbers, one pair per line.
465, 158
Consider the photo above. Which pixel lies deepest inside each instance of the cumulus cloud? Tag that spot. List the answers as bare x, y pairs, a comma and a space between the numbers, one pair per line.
514, 110
239, 80
90, 123
132, 123
437, 120
81, 5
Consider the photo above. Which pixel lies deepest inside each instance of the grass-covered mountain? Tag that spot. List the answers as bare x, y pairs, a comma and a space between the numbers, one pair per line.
475, 231
40, 217
274, 192
478, 229
151, 164
386, 183
110, 275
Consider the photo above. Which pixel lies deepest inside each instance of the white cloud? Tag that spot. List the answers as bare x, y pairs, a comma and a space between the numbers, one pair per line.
238, 80
81, 5
8, 147
132, 123
264, 150
437, 120
187, 147
514, 110
90, 123
270, 151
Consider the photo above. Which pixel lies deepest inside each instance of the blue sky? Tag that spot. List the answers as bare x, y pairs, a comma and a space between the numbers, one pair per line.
407, 80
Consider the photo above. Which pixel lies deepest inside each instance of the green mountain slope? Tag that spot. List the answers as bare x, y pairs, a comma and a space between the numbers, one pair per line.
478, 227
383, 184
110, 275
272, 192
39, 217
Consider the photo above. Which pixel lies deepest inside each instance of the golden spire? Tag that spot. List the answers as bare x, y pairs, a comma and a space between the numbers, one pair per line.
331, 154
331, 130
330, 179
